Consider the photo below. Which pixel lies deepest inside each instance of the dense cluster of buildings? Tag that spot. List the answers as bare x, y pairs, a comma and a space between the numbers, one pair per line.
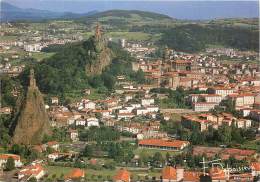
134, 110
205, 120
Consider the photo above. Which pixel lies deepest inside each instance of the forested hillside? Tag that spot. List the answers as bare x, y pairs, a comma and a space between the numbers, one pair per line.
65, 71
196, 37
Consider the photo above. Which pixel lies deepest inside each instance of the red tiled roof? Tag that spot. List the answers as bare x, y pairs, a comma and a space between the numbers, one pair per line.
51, 143
182, 61
32, 169
191, 176
75, 174
163, 143
217, 174
232, 151
255, 166
169, 173
122, 175
6, 156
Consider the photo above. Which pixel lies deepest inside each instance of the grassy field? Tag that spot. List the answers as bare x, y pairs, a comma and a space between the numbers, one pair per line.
130, 35
100, 175
95, 95
86, 35
41, 55
151, 152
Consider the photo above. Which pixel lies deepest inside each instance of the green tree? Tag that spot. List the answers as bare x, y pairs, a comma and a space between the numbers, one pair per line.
10, 165
168, 156
88, 151
224, 134
236, 134
158, 158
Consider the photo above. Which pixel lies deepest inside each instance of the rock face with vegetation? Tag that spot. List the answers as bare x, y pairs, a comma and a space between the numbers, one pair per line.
101, 54
93, 63
33, 122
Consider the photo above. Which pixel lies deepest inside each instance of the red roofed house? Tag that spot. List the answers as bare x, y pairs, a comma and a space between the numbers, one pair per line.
175, 145
122, 176
27, 172
191, 176
255, 167
170, 174
239, 154
241, 177
54, 145
217, 175
75, 174
4, 158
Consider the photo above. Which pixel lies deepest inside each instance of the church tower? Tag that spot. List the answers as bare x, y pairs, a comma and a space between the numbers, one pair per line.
32, 79
99, 40
98, 34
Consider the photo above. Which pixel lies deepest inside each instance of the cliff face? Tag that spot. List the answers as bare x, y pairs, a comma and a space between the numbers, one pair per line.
101, 55
33, 121
102, 60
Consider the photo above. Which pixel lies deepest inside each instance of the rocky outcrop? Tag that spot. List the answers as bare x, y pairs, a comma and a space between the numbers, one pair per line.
102, 60
33, 122
101, 55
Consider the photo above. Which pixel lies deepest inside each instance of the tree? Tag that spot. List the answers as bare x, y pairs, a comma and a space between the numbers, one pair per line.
197, 137
158, 158
168, 157
139, 76
144, 157
224, 134
236, 134
88, 151
10, 165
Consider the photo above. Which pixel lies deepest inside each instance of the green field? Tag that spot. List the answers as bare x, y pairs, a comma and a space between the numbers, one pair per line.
101, 175
41, 55
151, 152
86, 35
96, 95
130, 35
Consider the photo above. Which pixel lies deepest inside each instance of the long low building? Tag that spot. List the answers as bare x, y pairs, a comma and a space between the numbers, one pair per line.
174, 145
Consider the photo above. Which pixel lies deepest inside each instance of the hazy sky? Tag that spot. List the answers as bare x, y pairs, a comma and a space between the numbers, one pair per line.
178, 9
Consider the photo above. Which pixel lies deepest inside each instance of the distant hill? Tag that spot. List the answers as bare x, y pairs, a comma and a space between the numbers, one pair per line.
12, 13
130, 14
126, 19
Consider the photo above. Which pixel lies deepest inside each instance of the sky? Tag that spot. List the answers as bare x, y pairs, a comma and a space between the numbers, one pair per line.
180, 9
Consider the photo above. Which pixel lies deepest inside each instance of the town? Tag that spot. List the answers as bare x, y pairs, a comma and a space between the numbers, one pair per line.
176, 116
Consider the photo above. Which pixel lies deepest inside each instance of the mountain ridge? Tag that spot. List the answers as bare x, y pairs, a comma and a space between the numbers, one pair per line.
10, 12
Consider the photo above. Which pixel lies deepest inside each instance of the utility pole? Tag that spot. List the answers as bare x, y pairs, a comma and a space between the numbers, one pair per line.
204, 166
